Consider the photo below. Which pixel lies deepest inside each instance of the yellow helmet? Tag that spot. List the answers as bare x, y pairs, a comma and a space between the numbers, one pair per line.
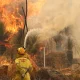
21, 50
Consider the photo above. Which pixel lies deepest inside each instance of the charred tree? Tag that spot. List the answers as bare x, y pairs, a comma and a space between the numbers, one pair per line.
2, 38
70, 52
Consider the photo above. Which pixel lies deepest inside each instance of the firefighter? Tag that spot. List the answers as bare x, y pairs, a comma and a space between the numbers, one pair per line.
23, 66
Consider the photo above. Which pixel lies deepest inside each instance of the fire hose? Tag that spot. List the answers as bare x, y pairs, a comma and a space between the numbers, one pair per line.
23, 75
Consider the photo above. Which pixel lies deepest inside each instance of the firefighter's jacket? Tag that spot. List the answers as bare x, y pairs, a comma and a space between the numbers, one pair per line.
23, 68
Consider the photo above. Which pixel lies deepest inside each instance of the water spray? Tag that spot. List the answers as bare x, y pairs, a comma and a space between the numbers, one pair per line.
32, 32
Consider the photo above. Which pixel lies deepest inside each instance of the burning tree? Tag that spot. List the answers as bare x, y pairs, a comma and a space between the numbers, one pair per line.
2, 38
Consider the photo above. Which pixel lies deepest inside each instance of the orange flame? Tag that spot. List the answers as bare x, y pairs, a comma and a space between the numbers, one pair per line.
4, 2
5, 44
11, 16
3, 61
34, 8
11, 21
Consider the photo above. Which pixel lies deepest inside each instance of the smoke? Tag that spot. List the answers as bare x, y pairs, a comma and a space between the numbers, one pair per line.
51, 16
55, 16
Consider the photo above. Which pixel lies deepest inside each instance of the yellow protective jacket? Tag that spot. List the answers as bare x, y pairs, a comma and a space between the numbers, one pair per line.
23, 68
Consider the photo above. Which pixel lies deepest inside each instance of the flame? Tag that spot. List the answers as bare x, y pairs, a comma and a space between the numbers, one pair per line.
4, 61
4, 2
31, 58
5, 44
12, 18
41, 48
11, 21
34, 8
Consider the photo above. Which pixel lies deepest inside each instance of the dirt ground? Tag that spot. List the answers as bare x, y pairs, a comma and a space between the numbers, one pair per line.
45, 74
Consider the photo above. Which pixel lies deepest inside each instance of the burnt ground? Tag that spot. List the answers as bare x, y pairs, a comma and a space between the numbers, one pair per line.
44, 74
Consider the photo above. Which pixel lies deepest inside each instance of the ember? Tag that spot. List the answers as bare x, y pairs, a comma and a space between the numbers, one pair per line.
4, 61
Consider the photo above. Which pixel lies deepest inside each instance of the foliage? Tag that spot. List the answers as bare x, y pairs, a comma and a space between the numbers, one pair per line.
32, 45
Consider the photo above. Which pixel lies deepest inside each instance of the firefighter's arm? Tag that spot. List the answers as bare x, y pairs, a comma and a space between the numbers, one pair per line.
17, 64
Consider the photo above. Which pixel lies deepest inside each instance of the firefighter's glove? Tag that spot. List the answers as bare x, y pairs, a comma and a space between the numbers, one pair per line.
23, 75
